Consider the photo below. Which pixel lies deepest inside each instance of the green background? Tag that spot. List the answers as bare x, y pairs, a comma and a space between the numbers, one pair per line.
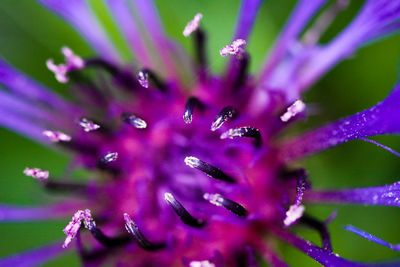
29, 34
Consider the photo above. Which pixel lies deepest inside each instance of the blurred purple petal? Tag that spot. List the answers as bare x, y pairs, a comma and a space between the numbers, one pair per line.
126, 22
371, 237
302, 14
387, 195
12, 213
383, 118
12, 104
151, 21
33, 257
22, 126
376, 19
79, 15
22, 85
247, 16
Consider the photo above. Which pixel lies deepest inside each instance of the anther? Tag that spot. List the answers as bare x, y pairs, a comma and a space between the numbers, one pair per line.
193, 25
74, 225
189, 108
109, 157
132, 228
243, 132
182, 212
293, 214
225, 114
88, 125
145, 76
86, 217
297, 107
208, 169
37, 173
55, 136
133, 120
72, 62
234, 49
231, 205
201, 264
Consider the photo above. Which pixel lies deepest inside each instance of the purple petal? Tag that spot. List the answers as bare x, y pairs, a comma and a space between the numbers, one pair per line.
376, 19
10, 213
302, 14
123, 16
149, 16
322, 256
79, 15
34, 257
247, 16
383, 118
21, 125
371, 237
387, 195
16, 105
382, 146
22, 85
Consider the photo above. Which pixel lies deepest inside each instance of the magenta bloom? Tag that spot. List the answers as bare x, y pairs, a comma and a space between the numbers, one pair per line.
193, 174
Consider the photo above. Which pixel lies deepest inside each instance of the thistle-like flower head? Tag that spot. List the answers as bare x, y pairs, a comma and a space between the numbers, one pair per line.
194, 174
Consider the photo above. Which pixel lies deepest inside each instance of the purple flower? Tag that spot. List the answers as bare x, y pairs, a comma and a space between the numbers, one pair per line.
193, 175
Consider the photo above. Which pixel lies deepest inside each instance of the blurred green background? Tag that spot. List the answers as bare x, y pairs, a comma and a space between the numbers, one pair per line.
29, 34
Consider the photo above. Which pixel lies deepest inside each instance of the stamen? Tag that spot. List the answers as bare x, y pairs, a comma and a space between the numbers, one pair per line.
302, 185
208, 169
67, 187
73, 62
201, 264
297, 107
133, 120
193, 25
296, 210
321, 228
109, 157
55, 136
225, 114
37, 173
231, 205
182, 212
242, 71
132, 228
234, 49
189, 107
88, 125
72, 229
143, 78
74, 225
293, 214
201, 54
243, 132
121, 76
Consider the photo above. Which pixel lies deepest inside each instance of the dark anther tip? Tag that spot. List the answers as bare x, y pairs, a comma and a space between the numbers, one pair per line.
183, 214
208, 169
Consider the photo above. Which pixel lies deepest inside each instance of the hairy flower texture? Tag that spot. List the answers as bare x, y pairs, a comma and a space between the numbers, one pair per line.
194, 175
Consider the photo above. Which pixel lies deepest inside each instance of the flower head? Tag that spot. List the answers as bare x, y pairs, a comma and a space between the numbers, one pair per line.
196, 174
